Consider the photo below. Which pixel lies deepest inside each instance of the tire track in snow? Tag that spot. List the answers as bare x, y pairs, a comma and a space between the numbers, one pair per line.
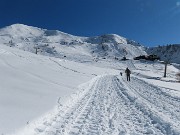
36, 76
70, 68
162, 108
130, 64
110, 106
67, 114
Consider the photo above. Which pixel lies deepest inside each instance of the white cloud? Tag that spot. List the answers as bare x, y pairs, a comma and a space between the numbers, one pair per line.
178, 4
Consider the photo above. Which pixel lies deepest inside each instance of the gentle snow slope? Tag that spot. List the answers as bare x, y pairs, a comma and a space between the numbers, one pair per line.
30, 85
79, 78
108, 105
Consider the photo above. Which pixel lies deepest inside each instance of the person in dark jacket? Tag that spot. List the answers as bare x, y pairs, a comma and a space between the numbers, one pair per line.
128, 72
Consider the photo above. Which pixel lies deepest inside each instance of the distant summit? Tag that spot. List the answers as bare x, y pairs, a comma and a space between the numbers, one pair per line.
21, 30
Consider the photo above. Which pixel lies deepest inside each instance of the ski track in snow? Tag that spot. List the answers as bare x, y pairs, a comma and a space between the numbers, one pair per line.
69, 68
34, 75
130, 64
108, 105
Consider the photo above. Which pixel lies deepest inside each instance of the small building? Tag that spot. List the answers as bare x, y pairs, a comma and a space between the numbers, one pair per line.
151, 57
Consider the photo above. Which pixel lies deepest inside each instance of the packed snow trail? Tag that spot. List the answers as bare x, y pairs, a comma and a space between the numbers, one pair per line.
130, 64
161, 107
109, 105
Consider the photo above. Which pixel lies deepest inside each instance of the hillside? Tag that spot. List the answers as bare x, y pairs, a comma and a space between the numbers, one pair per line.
167, 53
50, 94
59, 44
30, 85
88, 98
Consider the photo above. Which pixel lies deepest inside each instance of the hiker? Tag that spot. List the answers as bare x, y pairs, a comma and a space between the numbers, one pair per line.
128, 72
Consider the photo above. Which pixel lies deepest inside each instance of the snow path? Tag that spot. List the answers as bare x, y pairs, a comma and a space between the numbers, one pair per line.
162, 108
130, 64
69, 68
109, 105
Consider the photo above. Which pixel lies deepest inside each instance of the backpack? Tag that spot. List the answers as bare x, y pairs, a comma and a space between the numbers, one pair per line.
127, 71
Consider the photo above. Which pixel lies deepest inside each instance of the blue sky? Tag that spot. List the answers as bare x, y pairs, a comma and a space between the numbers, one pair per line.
150, 22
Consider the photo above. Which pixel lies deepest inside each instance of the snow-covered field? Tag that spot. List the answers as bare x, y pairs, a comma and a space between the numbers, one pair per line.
82, 93
51, 96
30, 84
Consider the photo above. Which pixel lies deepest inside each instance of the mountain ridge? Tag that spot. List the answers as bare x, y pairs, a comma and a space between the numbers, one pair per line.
88, 96
168, 53
59, 44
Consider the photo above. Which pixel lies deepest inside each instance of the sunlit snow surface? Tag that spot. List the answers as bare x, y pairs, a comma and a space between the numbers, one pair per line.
95, 99
78, 94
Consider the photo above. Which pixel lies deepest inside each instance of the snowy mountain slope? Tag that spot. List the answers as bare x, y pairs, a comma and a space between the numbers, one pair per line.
105, 105
88, 95
30, 84
169, 52
59, 44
